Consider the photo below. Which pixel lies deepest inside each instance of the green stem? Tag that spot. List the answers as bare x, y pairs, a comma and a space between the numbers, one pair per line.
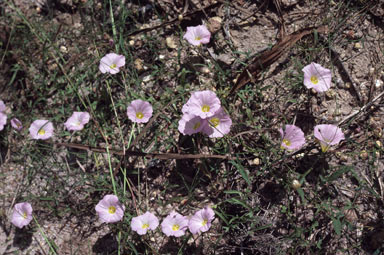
113, 27
44, 236
111, 171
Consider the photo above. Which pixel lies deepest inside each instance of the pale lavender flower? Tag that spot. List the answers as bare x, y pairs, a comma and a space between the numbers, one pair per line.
2, 106
109, 209
197, 35
328, 135
41, 129
139, 111
142, 223
3, 120
77, 121
16, 124
191, 124
203, 104
3, 115
317, 77
174, 224
292, 137
111, 63
219, 124
201, 221
22, 214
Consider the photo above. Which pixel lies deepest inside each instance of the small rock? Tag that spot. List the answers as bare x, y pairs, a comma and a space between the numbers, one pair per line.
205, 70
63, 49
378, 83
147, 78
371, 70
171, 43
138, 63
330, 94
214, 24
296, 184
357, 46
363, 154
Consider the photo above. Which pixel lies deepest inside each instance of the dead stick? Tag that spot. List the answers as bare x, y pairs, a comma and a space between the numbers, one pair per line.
140, 154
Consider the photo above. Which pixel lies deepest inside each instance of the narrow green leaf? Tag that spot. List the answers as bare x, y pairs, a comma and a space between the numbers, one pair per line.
337, 225
242, 171
338, 174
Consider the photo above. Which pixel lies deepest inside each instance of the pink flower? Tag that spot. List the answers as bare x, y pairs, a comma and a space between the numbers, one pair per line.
110, 209
2, 106
203, 104
292, 137
77, 121
16, 124
41, 129
139, 111
201, 221
197, 35
142, 223
22, 214
111, 63
191, 124
3, 116
174, 224
219, 124
328, 135
317, 77
3, 120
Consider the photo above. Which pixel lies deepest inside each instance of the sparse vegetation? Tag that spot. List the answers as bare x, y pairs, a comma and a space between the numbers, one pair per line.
266, 199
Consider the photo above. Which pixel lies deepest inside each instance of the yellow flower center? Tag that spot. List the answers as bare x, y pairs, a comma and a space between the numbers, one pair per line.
113, 66
175, 227
41, 132
25, 215
205, 108
145, 226
324, 147
214, 122
314, 79
287, 142
139, 115
197, 38
111, 209
204, 222
196, 126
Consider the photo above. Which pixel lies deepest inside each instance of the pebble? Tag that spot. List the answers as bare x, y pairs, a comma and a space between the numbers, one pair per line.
296, 184
371, 70
138, 64
358, 45
171, 43
63, 49
147, 78
363, 154
378, 83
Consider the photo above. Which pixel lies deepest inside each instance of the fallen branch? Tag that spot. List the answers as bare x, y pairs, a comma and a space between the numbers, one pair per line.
138, 153
270, 56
